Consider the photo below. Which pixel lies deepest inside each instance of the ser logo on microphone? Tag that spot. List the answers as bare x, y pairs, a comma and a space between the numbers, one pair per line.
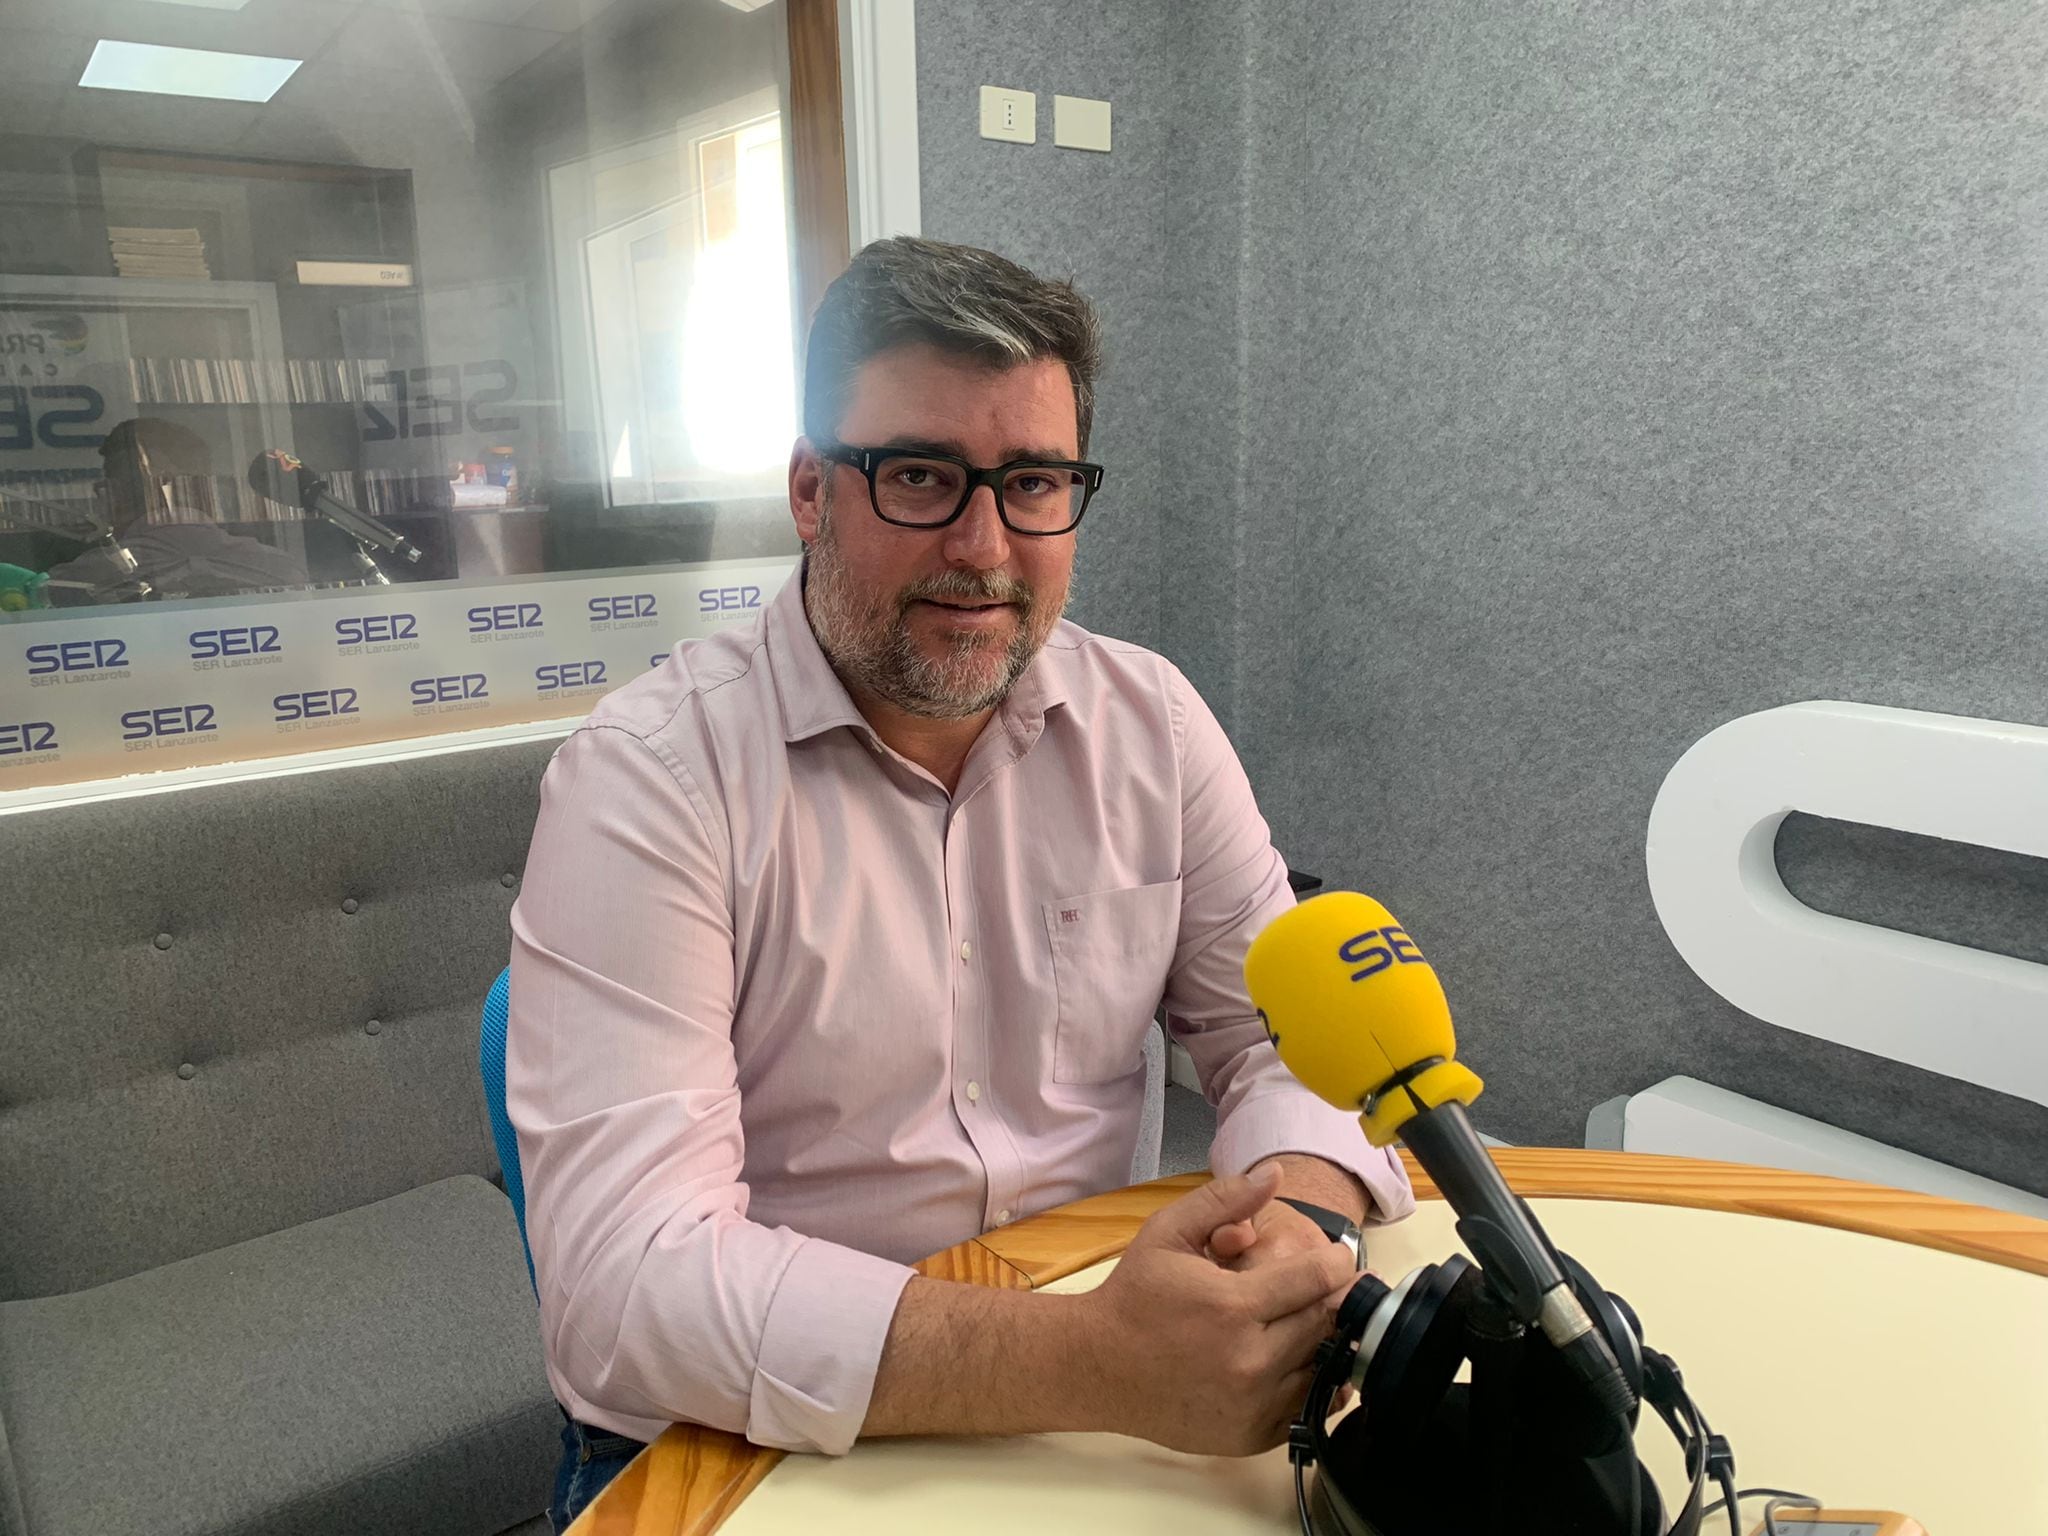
1377, 949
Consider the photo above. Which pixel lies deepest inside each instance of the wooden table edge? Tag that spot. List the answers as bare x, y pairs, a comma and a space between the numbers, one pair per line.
692, 1478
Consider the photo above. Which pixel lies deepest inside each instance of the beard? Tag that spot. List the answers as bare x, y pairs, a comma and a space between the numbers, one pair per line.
867, 637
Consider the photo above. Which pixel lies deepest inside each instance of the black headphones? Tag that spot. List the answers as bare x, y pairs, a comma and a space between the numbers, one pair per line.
1532, 1452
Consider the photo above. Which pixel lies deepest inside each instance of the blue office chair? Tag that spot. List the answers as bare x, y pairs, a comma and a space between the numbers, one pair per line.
491, 1057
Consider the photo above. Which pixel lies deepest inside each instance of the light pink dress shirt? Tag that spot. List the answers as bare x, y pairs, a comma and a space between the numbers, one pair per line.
786, 1016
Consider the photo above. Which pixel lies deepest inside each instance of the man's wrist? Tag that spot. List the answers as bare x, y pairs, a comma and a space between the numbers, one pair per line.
1335, 1225
1321, 1182
961, 1359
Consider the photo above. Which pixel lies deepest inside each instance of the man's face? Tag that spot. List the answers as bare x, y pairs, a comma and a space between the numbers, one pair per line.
938, 622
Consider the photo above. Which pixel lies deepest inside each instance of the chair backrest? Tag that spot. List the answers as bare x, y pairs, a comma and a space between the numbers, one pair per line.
491, 1059
232, 1008
1152, 1118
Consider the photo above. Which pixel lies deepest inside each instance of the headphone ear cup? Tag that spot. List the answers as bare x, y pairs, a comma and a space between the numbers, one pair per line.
1398, 1455
1418, 1354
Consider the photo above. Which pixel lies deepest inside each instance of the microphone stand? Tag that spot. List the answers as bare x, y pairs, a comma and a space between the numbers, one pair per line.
1494, 1343
360, 526
278, 477
373, 573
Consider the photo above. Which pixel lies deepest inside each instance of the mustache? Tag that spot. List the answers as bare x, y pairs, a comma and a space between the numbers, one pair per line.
991, 585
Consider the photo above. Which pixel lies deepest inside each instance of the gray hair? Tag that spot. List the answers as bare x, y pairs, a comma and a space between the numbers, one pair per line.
962, 300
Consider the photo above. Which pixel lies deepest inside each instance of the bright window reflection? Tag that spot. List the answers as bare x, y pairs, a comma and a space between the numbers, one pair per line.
680, 304
738, 403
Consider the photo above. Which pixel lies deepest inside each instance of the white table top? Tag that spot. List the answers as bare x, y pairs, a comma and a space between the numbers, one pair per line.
1868, 1373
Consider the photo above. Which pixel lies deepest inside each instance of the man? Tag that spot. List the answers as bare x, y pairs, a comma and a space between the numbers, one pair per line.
189, 556
841, 933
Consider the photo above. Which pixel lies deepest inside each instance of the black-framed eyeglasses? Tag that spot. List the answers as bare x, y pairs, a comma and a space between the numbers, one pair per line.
916, 489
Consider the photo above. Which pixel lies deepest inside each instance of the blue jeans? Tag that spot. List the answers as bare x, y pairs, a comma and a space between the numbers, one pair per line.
591, 1458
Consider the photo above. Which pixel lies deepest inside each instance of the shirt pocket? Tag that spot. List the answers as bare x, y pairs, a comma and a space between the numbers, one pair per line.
1110, 954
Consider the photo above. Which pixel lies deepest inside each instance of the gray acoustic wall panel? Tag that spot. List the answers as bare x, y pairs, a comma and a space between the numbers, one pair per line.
1098, 219
1542, 387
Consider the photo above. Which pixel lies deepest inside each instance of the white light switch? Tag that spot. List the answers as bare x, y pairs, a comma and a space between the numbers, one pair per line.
1009, 115
1080, 123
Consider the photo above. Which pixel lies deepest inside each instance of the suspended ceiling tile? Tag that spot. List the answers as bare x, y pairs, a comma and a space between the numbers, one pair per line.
178, 122
563, 15
32, 56
288, 29
79, 18
403, 42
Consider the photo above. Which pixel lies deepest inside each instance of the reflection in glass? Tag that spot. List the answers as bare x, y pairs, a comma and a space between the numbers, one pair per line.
512, 278
688, 300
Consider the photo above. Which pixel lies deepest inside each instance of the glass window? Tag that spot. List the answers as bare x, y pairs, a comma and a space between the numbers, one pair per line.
440, 372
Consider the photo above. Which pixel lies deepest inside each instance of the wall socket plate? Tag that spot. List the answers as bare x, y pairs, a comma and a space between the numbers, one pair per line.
1011, 116
1080, 122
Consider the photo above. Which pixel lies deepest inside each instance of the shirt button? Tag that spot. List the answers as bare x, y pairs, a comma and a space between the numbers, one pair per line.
966, 950
974, 1093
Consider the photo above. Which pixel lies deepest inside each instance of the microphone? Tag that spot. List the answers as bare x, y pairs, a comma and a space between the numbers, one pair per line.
1360, 1018
278, 476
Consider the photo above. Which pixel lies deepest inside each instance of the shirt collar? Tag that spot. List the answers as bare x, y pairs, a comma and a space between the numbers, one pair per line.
814, 700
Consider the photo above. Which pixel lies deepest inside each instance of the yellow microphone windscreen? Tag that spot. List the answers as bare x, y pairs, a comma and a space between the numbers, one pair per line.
1346, 996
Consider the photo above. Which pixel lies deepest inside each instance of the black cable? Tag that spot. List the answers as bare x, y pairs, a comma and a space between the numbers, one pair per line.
1301, 1499
1733, 1499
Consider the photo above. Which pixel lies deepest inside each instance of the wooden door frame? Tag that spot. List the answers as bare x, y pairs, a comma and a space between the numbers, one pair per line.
853, 133
817, 149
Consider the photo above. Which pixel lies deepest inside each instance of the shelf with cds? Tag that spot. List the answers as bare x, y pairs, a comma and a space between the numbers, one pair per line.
260, 381
195, 326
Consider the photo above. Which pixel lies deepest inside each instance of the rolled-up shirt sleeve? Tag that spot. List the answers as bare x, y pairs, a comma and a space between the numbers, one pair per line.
1233, 882
660, 1300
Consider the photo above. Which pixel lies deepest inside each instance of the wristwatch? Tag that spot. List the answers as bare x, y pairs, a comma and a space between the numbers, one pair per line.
1336, 1226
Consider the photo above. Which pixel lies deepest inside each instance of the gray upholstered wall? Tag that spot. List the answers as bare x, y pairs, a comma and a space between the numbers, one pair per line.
1528, 390
1099, 219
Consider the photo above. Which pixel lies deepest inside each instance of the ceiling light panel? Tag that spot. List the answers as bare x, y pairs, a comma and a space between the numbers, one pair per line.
119, 66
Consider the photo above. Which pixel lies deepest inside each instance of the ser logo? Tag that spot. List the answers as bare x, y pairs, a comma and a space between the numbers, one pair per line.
1378, 948
623, 608
376, 629
569, 674
498, 618
27, 736
77, 656
168, 720
251, 640
314, 704
451, 688
713, 601
23, 424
